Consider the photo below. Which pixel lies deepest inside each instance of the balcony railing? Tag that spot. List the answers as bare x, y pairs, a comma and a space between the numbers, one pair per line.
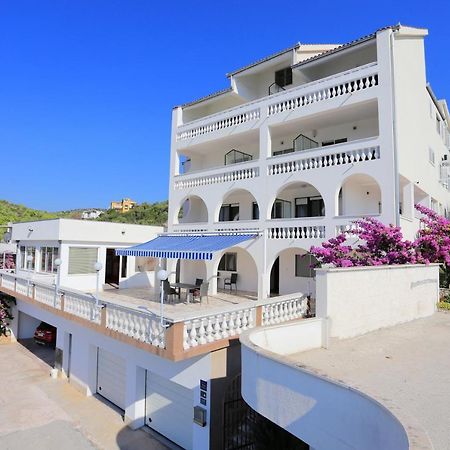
345, 83
245, 171
174, 338
335, 155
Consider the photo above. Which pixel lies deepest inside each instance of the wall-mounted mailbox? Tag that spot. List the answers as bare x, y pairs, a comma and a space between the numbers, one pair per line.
200, 416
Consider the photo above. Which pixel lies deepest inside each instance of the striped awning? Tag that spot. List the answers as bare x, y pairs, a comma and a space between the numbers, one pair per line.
186, 246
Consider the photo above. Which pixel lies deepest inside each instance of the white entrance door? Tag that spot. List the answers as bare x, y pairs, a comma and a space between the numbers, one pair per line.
169, 409
111, 376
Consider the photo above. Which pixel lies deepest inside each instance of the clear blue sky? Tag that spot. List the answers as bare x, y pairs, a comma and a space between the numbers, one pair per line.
87, 86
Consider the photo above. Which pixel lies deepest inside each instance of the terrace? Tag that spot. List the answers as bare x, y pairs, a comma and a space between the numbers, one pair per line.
134, 315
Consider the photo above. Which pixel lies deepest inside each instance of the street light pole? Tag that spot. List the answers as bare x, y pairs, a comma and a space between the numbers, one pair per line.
98, 267
58, 262
162, 276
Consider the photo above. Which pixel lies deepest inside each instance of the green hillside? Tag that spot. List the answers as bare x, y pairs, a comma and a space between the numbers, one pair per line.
145, 214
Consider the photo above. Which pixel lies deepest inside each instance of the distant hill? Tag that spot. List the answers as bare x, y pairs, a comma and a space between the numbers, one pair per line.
145, 214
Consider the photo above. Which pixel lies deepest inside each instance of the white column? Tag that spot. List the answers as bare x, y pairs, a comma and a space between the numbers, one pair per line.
134, 396
408, 201
265, 142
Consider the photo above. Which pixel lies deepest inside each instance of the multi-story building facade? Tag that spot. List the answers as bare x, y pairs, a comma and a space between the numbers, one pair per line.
126, 204
302, 143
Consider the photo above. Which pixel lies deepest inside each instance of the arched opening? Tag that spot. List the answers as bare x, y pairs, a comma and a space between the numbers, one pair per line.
292, 272
360, 195
192, 210
298, 200
239, 204
237, 260
188, 271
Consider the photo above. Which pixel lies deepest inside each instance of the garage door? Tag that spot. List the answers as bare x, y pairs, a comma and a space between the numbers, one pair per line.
111, 375
169, 409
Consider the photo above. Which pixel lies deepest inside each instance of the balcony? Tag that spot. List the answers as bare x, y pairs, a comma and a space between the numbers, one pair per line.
246, 117
333, 155
223, 174
133, 315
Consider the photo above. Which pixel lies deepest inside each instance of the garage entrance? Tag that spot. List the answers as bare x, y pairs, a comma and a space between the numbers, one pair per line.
45, 351
111, 377
169, 409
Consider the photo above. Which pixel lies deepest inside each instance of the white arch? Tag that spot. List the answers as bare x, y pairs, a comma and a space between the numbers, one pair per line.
244, 197
361, 195
194, 210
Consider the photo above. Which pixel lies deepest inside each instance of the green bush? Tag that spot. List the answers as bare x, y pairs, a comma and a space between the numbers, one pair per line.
444, 305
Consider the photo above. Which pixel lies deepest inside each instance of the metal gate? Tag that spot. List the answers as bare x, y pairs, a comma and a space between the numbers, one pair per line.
238, 419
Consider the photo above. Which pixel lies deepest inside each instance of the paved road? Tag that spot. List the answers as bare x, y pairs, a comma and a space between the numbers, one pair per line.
40, 413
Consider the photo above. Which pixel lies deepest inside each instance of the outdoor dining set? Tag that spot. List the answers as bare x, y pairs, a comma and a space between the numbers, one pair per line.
197, 291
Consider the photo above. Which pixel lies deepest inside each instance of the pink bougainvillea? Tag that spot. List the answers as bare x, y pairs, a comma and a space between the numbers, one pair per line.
377, 244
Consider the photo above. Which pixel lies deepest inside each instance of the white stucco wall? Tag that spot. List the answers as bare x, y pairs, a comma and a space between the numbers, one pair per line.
362, 299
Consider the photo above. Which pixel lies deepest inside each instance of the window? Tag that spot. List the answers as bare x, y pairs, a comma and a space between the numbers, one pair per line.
25, 252
303, 266
309, 207
229, 212
255, 211
334, 142
431, 156
228, 262
48, 257
82, 260
235, 156
123, 270
283, 77
281, 209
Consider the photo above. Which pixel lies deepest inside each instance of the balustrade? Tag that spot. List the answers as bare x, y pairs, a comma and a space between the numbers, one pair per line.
216, 327
297, 232
139, 326
284, 310
219, 177
334, 157
219, 124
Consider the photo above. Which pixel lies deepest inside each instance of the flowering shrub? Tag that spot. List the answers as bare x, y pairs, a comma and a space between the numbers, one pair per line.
5, 313
9, 262
379, 244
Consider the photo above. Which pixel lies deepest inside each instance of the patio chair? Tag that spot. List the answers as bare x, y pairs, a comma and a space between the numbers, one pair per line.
169, 291
230, 281
198, 283
201, 292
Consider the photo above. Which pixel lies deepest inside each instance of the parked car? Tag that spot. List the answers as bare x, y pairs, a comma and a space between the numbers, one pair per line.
45, 334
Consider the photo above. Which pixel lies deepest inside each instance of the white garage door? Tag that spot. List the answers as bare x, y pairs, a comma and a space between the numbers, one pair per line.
111, 375
169, 409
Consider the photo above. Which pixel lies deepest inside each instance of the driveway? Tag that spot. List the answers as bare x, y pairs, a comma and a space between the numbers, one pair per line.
41, 413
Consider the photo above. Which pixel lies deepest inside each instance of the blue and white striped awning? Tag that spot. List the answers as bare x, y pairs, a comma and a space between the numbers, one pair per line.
186, 246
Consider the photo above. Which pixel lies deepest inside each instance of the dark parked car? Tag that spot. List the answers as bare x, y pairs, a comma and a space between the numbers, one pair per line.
45, 334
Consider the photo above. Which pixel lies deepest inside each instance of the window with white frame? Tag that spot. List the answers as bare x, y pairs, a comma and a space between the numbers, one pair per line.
25, 253
431, 156
48, 257
82, 260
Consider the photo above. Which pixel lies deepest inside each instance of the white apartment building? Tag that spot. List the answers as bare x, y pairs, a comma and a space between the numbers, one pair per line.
79, 244
302, 143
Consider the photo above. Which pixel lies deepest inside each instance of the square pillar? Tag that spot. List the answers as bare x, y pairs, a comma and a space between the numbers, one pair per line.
134, 396
408, 201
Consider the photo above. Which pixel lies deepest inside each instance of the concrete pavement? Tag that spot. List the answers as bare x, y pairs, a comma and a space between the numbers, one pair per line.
38, 412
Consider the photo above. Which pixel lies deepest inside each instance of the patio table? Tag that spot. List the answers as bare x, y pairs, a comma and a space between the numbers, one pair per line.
185, 286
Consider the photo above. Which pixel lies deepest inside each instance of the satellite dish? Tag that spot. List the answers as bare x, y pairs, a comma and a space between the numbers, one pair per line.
7, 236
